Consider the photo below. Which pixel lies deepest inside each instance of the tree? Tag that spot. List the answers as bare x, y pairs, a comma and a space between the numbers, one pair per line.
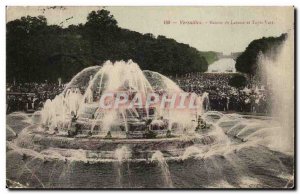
37, 51
248, 60
101, 18
238, 81
24, 52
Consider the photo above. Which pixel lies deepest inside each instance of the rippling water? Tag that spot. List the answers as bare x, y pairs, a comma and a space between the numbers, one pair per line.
237, 159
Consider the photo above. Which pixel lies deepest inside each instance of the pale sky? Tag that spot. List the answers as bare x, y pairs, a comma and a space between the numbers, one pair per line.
223, 29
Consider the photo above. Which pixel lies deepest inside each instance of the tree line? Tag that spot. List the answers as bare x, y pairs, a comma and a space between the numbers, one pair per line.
247, 62
37, 51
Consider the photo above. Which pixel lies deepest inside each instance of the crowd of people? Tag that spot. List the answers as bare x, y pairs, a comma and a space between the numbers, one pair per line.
222, 97
254, 97
29, 96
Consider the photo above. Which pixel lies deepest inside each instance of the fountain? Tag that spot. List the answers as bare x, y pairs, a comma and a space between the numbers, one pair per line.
159, 157
277, 69
118, 126
121, 154
117, 104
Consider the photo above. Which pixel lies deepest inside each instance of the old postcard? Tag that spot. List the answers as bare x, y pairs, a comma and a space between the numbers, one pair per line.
150, 97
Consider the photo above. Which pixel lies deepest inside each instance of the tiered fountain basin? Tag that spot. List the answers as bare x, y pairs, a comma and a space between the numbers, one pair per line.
78, 121
98, 148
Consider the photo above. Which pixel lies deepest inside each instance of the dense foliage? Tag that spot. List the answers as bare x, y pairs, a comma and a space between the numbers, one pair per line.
210, 56
37, 51
248, 60
238, 81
